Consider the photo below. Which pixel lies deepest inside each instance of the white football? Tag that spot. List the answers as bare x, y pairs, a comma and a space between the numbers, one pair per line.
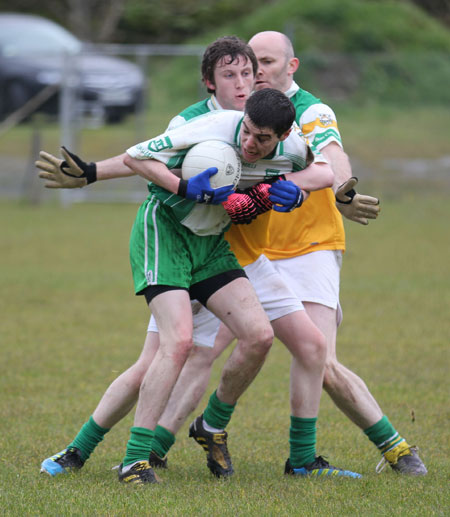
213, 153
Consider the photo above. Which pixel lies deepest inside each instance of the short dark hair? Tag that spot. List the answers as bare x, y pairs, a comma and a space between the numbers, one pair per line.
231, 47
270, 108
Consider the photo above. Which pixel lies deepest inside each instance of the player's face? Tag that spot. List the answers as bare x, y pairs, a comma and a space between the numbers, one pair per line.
233, 82
274, 68
257, 142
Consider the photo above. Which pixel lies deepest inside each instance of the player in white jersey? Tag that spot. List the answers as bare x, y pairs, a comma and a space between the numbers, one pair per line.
215, 279
312, 264
230, 83
308, 254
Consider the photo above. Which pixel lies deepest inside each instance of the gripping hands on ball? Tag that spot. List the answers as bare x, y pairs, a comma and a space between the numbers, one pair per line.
354, 206
199, 189
72, 172
285, 196
246, 205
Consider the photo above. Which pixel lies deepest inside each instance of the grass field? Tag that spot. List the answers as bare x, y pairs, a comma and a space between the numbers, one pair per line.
70, 324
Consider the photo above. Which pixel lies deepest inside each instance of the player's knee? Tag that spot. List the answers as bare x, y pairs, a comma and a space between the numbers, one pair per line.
181, 349
312, 352
259, 340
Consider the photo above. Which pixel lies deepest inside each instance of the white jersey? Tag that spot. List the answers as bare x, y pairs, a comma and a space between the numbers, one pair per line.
291, 155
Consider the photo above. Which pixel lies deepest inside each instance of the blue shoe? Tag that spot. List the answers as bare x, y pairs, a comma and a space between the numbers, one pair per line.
319, 468
63, 462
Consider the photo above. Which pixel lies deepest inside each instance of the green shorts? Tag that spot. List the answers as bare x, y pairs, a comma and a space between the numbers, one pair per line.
164, 252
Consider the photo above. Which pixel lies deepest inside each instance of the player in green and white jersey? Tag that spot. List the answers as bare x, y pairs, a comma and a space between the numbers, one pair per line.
321, 241
307, 252
228, 71
213, 278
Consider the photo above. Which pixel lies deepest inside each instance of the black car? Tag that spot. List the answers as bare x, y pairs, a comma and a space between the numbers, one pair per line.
36, 52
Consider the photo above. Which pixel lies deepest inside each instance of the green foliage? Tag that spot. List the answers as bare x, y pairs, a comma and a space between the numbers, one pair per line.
405, 78
152, 21
346, 25
350, 51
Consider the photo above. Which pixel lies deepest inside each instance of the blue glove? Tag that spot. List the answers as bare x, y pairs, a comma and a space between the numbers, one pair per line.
199, 189
285, 196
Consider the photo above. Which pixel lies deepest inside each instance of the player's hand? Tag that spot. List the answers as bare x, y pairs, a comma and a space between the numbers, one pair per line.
285, 196
240, 208
354, 206
72, 172
198, 189
245, 205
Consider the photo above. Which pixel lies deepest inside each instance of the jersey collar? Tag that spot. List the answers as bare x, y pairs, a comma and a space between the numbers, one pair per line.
213, 103
294, 88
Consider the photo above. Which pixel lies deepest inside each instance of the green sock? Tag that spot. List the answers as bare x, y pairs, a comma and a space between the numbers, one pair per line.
217, 414
302, 441
87, 439
162, 441
139, 445
383, 435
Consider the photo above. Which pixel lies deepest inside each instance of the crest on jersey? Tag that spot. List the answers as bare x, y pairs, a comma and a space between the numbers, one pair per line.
325, 119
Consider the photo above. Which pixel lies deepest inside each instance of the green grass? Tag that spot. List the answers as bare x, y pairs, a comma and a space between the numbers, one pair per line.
70, 324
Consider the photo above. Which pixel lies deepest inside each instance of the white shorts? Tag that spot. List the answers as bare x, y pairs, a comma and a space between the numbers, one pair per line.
206, 325
273, 292
314, 277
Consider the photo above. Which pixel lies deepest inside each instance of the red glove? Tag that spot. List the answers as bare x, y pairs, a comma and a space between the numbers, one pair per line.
243, 207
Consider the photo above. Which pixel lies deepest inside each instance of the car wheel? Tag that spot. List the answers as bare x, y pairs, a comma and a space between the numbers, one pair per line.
114, 116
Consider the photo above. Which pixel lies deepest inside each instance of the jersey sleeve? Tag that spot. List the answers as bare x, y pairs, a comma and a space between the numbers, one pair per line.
177, 121
319, 125
171, 147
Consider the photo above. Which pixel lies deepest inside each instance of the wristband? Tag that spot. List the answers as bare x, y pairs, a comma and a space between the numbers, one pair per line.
351, 194
182, 188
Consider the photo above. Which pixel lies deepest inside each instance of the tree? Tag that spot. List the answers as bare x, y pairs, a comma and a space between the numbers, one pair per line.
437, 8
90, 20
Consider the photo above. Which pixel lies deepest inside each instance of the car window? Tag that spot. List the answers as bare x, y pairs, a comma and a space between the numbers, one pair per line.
19, 38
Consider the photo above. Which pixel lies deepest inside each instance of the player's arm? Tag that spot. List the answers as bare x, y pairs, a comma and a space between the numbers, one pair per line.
316, 176
113, 168
197, 188
318, 123
154, 171
339, 162
355, 207
316, 173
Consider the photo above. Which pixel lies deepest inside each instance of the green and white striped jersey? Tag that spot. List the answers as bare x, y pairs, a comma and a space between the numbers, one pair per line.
316, 120
170, 148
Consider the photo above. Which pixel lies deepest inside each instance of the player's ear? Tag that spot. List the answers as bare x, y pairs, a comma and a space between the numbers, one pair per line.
285, 135
293, 65
210, 85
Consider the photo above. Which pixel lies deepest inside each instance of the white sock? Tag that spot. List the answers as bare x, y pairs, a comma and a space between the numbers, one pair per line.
210, 429
128, 467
